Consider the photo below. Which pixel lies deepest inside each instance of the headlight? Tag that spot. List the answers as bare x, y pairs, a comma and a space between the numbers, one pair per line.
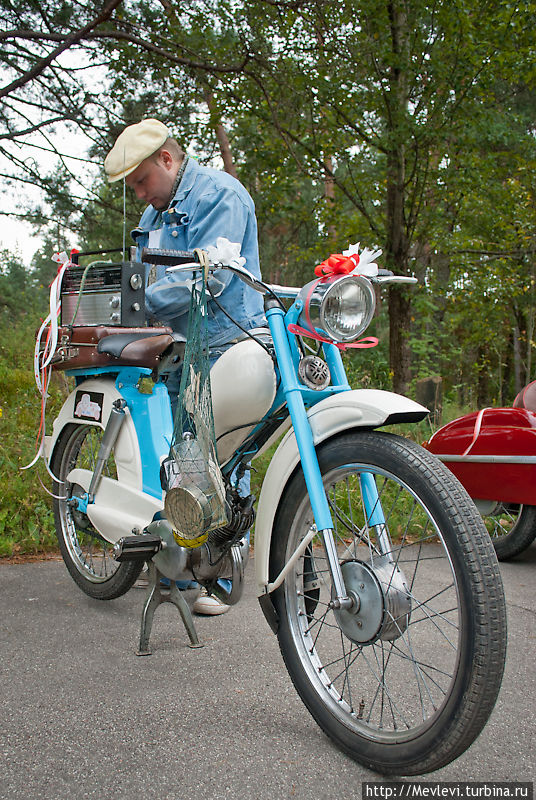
342, 307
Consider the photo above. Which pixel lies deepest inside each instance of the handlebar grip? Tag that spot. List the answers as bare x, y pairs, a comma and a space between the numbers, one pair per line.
168, 258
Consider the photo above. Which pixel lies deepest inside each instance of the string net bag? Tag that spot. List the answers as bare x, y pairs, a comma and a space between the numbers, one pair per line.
195, 494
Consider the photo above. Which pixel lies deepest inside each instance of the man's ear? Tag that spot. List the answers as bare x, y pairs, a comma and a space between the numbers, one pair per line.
166, 158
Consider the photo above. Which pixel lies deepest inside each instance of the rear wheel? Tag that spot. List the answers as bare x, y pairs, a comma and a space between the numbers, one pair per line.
512, 529
406, 681
86, 554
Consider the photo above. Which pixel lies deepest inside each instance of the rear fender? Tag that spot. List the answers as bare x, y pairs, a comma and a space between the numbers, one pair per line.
121, 505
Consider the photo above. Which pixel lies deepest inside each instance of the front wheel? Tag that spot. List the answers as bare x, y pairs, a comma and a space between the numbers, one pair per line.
512, 529
86, 554
405, 681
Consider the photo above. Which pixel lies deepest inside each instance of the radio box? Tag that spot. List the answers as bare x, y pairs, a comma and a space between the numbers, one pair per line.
110, 294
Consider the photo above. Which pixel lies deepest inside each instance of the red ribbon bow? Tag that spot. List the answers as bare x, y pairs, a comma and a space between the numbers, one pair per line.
337, 264
311, 333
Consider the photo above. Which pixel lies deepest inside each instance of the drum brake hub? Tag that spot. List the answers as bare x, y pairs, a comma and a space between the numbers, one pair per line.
382, 603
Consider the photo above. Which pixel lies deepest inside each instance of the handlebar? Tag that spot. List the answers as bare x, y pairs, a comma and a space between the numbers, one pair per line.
182, 260
168, 258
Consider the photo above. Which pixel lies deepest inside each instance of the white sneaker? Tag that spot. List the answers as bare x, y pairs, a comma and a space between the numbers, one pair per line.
142, 581
209, 606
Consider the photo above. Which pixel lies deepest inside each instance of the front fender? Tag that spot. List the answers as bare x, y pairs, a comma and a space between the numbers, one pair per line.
360, 408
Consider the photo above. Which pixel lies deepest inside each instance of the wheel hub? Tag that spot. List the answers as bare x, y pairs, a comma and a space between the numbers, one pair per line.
382, 604
80, 519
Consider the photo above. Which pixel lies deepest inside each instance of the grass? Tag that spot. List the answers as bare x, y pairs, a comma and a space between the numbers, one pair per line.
26, 520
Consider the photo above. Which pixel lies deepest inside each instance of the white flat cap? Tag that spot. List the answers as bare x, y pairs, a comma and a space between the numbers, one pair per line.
136, 143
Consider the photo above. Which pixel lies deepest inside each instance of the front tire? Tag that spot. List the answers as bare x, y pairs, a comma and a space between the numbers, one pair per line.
86, 554
406, 684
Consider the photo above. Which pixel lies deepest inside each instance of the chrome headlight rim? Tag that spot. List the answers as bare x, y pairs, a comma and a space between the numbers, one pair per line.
316, 298
370, 300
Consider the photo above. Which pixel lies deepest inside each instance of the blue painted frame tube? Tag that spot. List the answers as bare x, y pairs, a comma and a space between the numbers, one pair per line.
298, 415
371, 500
336, 367
151, 414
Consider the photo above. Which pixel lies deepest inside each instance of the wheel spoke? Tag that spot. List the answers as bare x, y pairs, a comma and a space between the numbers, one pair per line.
401, 681
87, 550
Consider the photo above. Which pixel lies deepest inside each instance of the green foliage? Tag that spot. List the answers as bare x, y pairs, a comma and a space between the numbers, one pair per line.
26, 521
14, 294
398, 125
408, 126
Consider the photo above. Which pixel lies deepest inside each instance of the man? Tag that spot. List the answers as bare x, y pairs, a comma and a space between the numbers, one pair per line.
190, 207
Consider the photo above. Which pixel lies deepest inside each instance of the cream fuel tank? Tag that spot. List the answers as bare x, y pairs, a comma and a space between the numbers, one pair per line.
243, 386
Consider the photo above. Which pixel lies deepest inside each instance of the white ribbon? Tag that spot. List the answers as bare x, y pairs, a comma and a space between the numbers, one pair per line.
43, 357
367, 258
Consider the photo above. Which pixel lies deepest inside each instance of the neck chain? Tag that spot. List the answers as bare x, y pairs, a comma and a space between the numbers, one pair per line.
178, 179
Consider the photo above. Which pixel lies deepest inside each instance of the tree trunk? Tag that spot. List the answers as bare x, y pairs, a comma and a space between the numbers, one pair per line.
528, 355
399, 351
221, 135
482, 388
397, 246
329, 194
517, 360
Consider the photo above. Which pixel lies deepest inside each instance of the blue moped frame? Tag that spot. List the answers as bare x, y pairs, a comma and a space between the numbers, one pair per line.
151, 414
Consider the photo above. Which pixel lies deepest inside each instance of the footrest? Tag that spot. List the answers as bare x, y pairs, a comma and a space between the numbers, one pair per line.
137, 548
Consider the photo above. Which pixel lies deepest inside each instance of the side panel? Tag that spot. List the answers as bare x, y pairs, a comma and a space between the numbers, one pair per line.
127, 452
506, 482
360, 408
118, 509
119, 505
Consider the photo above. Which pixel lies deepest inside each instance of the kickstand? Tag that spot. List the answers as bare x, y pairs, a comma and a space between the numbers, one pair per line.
156, 594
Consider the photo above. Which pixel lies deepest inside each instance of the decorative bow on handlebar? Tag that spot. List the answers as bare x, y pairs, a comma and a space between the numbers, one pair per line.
337, 264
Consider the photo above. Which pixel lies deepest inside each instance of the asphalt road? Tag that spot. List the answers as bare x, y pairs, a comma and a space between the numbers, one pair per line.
84, 717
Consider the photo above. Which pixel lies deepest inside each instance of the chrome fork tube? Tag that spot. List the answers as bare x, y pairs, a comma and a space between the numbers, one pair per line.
341, 599
306, 447
383, 539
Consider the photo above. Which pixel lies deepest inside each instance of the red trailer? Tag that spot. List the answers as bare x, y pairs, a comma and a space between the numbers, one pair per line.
492, 452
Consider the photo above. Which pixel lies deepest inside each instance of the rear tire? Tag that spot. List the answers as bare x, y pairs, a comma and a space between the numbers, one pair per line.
86, 554
407, 683
512, 529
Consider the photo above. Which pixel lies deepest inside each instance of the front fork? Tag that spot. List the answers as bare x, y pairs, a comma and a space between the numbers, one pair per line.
311, 469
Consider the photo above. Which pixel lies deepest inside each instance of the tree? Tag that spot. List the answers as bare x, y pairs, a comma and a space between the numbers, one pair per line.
347, 119
374, 106
13, 283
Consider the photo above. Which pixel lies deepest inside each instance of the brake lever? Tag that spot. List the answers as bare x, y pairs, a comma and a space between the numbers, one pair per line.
381, 279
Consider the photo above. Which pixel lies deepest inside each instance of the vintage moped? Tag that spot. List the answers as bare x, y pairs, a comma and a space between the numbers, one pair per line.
372, 565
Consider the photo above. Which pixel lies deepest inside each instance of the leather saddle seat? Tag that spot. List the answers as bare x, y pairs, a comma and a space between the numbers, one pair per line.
83, 347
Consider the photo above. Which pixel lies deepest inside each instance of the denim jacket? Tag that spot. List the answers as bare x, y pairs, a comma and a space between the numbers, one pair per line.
208, 204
